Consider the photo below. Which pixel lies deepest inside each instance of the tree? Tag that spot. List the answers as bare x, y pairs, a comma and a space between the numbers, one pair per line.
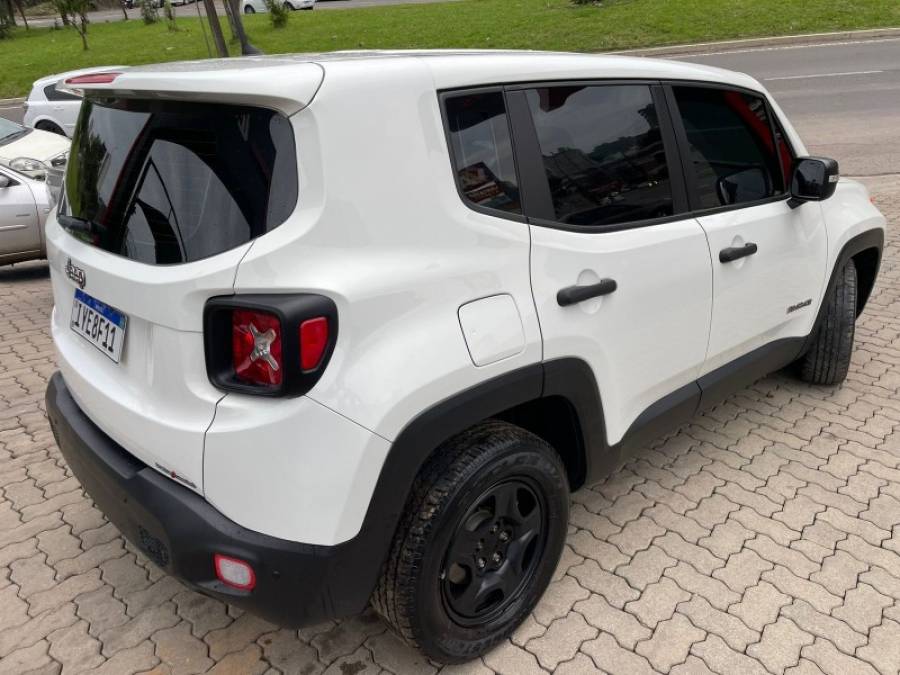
215, 27
247, 49
77, 11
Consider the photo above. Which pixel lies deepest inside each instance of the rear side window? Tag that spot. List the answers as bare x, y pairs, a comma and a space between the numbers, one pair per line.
52, 94
168, 183
732, 150
603, 153
482, 151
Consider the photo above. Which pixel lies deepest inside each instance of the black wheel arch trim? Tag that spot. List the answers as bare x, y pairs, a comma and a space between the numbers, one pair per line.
869, 240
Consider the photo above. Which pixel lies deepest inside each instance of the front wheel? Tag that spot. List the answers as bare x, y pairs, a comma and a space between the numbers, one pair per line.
249, 10
828, 359
479, 541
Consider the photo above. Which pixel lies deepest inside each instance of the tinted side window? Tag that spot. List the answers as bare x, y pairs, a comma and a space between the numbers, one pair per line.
52, 94
603, 153
731, 146
482, 151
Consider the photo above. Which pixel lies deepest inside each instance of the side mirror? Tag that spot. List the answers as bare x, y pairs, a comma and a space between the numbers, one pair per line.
6, 181
814, 179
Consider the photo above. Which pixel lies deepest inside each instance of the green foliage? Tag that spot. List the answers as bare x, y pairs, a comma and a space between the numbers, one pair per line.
278, 13
149, 12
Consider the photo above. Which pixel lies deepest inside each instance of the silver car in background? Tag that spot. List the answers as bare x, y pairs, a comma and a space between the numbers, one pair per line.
24, 205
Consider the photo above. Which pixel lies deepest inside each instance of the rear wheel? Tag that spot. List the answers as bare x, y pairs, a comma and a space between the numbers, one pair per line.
52, 127
828, 359
478, 543
249, 10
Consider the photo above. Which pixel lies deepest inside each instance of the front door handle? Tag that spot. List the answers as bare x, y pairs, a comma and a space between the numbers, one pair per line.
575, 294
732, 253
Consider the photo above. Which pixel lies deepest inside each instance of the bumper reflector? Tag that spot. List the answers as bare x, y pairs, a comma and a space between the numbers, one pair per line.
233, 572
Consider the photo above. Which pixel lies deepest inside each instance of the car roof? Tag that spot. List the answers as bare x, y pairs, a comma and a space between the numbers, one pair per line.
459, 68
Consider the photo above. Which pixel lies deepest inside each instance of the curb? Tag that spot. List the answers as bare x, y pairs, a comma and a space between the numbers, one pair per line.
764, 42
11, 101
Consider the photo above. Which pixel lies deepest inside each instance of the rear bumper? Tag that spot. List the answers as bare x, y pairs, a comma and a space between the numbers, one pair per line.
296, 584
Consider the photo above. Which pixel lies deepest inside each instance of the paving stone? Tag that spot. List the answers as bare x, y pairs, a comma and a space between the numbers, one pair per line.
883, 650
760, 605
133, 632
862, 528
832, 662
291, 656
657, 602
614, 588
777, 554
32, 575
646, 567
580, 665
559, 599
344, 638
822, 625
698, 557
204, 614
721, 658
742, 570
692, 581
248, 661
840, 572
183, 653
562, 640
788, 582
780, 646
101, 610
28, 658
587, 545
862, 608
64, 592
712, 511
691, 666
727, 626
626, 629
671, 642
726, 539
611, 658
74, 648
636, 535
508, 659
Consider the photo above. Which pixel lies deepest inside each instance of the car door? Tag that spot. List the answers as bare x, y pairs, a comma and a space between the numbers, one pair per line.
620, 273
19, 220
768, 254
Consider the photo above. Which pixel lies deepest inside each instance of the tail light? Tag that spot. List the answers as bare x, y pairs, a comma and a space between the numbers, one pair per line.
271, 345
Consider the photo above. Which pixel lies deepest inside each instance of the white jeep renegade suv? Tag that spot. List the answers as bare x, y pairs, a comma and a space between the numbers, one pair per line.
348, 328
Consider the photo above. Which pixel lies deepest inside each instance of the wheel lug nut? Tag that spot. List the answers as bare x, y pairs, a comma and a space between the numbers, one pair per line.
479, 545
494, 530
496, 558
481, 562
504, 536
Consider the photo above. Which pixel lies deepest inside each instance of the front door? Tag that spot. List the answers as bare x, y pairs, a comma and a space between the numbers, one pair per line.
768, 255
620, 280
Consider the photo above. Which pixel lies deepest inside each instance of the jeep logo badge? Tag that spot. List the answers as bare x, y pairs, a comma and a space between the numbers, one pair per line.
75, 273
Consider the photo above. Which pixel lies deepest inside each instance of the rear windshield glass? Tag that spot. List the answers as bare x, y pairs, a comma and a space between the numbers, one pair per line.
168, 183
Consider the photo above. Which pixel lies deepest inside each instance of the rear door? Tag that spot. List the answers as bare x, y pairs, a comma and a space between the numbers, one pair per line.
768, 255
621, 276
19, 220
161, 202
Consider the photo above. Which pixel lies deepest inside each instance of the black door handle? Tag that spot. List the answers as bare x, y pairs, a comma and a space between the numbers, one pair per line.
575, 294
727, 255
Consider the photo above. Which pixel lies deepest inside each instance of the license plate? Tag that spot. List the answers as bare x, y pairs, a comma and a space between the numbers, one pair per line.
99, 324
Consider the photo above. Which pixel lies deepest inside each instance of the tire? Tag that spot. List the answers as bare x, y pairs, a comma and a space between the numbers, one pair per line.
51, 127
464, 572
249, 10
828, 359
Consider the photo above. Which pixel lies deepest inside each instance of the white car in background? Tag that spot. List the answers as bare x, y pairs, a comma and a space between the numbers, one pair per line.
37, 154
254, 6
24, 205
50, 109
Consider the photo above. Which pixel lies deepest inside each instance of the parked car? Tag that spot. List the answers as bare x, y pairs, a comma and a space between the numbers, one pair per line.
24, 205
254, 6
381, 382
55, 110
37, 154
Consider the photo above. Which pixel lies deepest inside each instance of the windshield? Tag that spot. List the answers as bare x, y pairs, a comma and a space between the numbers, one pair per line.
10, 130
168, 183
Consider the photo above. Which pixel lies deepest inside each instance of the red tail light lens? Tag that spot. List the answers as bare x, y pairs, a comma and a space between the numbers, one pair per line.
93, 78
256, 347
313, 342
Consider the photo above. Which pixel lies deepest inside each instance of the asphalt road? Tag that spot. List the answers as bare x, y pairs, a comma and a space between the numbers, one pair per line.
843, 97
106, 15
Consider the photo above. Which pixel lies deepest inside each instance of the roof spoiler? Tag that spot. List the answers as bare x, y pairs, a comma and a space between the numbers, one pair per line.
270, 83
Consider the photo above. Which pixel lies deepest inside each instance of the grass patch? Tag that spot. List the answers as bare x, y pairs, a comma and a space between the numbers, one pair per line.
515, 24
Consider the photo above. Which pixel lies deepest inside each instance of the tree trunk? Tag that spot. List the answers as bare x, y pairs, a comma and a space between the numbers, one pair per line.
124, 11
9, 14
22, 12
246, 48
215, 27
227, 7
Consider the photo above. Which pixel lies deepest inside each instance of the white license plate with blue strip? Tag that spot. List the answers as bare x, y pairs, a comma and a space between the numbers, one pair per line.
99, 324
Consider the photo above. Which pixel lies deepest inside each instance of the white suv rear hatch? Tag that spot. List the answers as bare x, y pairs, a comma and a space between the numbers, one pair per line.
162, 200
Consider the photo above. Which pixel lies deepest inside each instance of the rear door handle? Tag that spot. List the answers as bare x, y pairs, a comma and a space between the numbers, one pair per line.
575, 294
732, 253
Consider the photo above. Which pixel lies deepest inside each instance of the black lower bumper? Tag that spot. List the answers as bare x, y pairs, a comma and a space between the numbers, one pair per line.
296, 583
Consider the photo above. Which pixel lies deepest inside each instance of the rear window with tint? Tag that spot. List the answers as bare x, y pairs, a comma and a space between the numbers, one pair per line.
482, 151
168, 183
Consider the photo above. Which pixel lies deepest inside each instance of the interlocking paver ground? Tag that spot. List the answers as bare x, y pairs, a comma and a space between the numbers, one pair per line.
764, 536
